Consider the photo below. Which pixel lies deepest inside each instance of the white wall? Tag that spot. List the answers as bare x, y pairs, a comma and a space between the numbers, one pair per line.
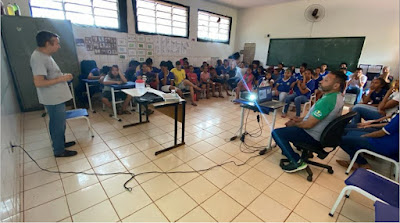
197, 53
377, 20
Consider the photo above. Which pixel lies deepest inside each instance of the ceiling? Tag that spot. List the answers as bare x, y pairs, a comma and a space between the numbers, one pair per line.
248, 3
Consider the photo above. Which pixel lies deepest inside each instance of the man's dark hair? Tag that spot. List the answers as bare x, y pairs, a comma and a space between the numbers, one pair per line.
281, 64
324, 64
163, 64
149, 61
43, 37
304, 65
382, 81
226, 60
340, 78
134, 63
311, 71
105, 70
359, 69
343, 63
178, 63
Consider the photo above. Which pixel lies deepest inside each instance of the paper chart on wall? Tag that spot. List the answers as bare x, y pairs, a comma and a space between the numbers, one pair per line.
141, 39
149, 39
141, 53
122, 49
131, 38
121, 42
132, 52
132, 45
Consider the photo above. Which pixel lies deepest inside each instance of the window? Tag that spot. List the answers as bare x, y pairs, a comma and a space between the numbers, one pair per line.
213, 27
161, 17
98, 13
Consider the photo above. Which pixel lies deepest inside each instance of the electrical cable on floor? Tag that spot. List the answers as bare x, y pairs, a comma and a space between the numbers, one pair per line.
133, 175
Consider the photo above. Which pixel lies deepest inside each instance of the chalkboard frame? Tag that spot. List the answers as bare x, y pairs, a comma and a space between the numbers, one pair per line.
352, 65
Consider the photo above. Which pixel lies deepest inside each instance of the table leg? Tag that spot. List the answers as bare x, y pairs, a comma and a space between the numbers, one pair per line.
176, 125
241, 122
183, 121
88, 97
140, 116
272, 129
113, 104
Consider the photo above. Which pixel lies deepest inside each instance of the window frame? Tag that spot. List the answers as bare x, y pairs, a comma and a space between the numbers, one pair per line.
160, 34
122, 17
214, 41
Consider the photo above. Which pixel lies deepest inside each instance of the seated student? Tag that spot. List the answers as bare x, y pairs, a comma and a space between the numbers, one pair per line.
276, 75
225, 67
254, 65
317, 77
186, 66
281, 70
265, 81
299, 76
130, 73
293, 69
377, 92
258, 77
234, 75
283, 85
217, 81
149, 63
192, 77
180, 80
206, 82
370, 125
344, 65
218, 67
115, 77
309, 129
151, 78
386, 74
324, 70
356, 83
302, 93
387, 106
245, 83
96, 73
384, 142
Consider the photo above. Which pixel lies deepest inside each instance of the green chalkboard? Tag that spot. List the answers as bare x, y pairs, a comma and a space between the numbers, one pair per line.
314, 51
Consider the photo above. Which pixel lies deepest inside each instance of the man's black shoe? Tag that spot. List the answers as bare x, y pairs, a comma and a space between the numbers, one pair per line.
69, 144
67, 153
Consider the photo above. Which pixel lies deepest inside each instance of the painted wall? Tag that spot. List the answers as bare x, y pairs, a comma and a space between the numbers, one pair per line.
11, 160
197, 53
377, 20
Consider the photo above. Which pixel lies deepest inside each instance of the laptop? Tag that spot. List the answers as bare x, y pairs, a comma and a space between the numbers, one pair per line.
262, 95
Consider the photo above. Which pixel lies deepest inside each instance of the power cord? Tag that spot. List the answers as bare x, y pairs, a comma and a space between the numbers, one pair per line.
133, 175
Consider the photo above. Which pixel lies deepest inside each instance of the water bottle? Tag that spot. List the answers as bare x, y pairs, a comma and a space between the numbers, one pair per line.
10, 9
17, 10
144, 77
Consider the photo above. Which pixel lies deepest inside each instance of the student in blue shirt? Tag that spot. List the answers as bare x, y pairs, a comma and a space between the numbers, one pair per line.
344, 65
281, 70
317, 77
299, 76
324, 69
302, 93
376, 92
284, 85
225, 68
218, 67
384, 142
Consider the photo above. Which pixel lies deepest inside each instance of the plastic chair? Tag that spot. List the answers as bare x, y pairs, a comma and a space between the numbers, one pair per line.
396, 163
308, 104
79, 113
372, 185
386, 213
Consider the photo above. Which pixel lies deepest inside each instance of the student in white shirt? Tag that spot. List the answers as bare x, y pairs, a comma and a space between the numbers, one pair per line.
356, 83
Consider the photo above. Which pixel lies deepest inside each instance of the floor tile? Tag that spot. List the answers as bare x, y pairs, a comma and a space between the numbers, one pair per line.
42, 194
85, 198
295, 181
241, 192
357, 212
216, 141
176, 204
202, 147
324, 196
115, 185
222, 207
230, 148
200, 189
125, 151
182, 178
148, 167
78, 181
219, 177
159, 186
151, 153
163, 138
40, 178
201, 163
110, 135
330, 182
185, 153
115, 143
342, 218
190, 140
69, 219
246, 216
313, 211
103, 212
283, 194
55, 210
168, 162
257, 179
269, 168
148, 214
45, 163
235, 166
293, 217
268, 210
124, 205
197, 215
109, 168
101, 158
146, 144
81, 165
134, 160
217, 156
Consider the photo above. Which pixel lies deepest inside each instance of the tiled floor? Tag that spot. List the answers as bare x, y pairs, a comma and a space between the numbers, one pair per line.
257, 191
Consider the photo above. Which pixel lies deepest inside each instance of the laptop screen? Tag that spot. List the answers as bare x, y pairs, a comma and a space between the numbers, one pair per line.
264, 94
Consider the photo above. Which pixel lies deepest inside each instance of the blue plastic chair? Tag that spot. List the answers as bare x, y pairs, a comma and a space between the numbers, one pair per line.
372, 185
79, 113
386, 213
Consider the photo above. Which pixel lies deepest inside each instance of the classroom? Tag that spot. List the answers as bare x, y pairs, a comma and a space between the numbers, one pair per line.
199, 111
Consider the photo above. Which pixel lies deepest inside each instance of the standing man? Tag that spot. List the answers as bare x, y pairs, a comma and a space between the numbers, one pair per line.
52, 89
309, 129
